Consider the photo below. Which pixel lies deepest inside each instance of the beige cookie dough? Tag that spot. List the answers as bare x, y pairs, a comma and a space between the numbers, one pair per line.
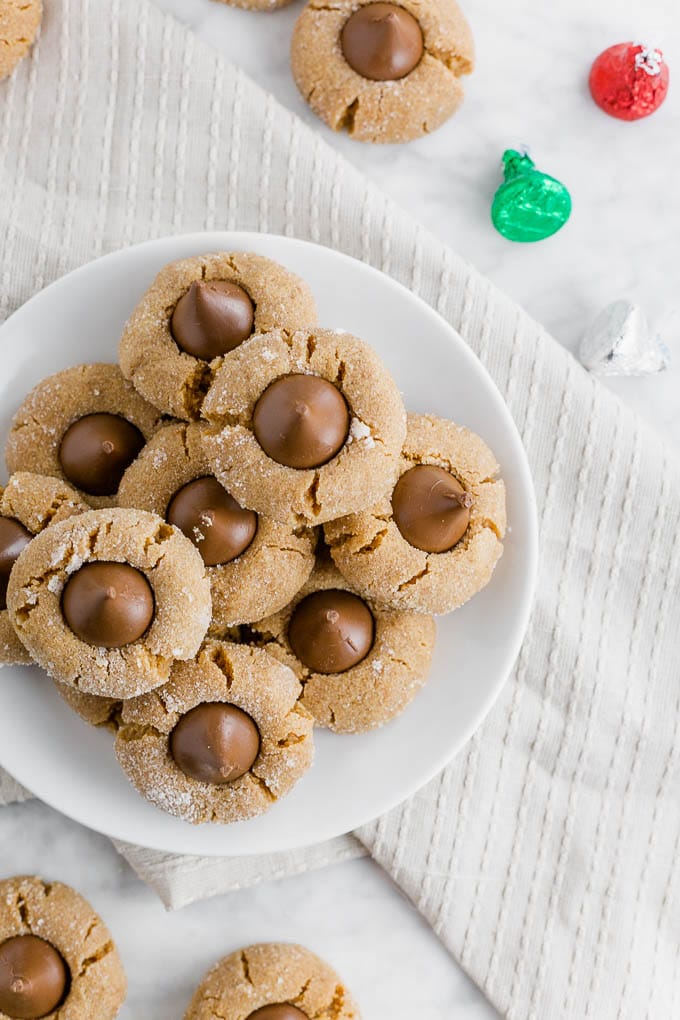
12, 652
260, 581
171, 565
36, 502
379, 687
377, 560
271, 974
257, 5
382, 111
176, 381
360, 473
97, 711
59, 915
238, 675
57, 402
19, 23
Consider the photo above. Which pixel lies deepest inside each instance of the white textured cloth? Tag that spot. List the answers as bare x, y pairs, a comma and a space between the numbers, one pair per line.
546, 857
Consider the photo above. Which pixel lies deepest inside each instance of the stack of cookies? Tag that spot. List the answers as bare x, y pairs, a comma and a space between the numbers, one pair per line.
234, 535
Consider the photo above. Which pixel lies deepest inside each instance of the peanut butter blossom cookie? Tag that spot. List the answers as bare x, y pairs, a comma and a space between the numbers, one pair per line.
107, 600
360, 664
307, 425
384, 72
272, 981
28, 504
19, 23
222, 741
57, 957
255, 564
84, 425
433, 541
195, 313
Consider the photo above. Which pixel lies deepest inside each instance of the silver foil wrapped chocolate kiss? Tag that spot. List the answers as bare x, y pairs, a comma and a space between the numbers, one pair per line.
620, 342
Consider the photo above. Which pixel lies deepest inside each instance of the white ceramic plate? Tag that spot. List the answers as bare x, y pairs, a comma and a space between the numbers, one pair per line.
71, 765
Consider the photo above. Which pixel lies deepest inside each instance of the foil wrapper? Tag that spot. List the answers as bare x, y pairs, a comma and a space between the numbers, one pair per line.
629, 80
620, 342
529, 205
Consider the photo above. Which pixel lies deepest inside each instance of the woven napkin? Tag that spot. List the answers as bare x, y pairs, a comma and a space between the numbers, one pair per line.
546, 857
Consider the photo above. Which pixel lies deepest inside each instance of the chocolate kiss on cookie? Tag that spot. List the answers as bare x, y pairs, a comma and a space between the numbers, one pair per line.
431, 508
33, 978
14, 537
96, 450
331, 631
382, 42
215, 743
108, 605
279, 1011
212, 318
301, 421
211, 518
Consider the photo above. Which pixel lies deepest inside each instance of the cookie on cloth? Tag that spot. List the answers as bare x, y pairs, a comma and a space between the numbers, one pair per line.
383, 72
197, 311
255, 564
222, 741
308, 425
433, 542
106, 601
57, 958
19, 24
359, 663
272, 981
28, 504
84, 425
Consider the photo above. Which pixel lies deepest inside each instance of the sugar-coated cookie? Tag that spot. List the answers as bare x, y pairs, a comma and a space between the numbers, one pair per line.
57, 958
195, 313
433, 541
307, 425
272, 981
84, 425
359, 663
222, 741
105, 601
383, 72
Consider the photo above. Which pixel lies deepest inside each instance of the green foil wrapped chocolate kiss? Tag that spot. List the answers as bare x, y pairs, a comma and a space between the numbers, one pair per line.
529, 205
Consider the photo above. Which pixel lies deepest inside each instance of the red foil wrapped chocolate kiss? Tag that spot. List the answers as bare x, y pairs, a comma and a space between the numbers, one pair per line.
629, 80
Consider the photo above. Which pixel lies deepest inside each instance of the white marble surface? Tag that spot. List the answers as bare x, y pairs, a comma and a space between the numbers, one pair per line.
530, 87
622, 241
350, 914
